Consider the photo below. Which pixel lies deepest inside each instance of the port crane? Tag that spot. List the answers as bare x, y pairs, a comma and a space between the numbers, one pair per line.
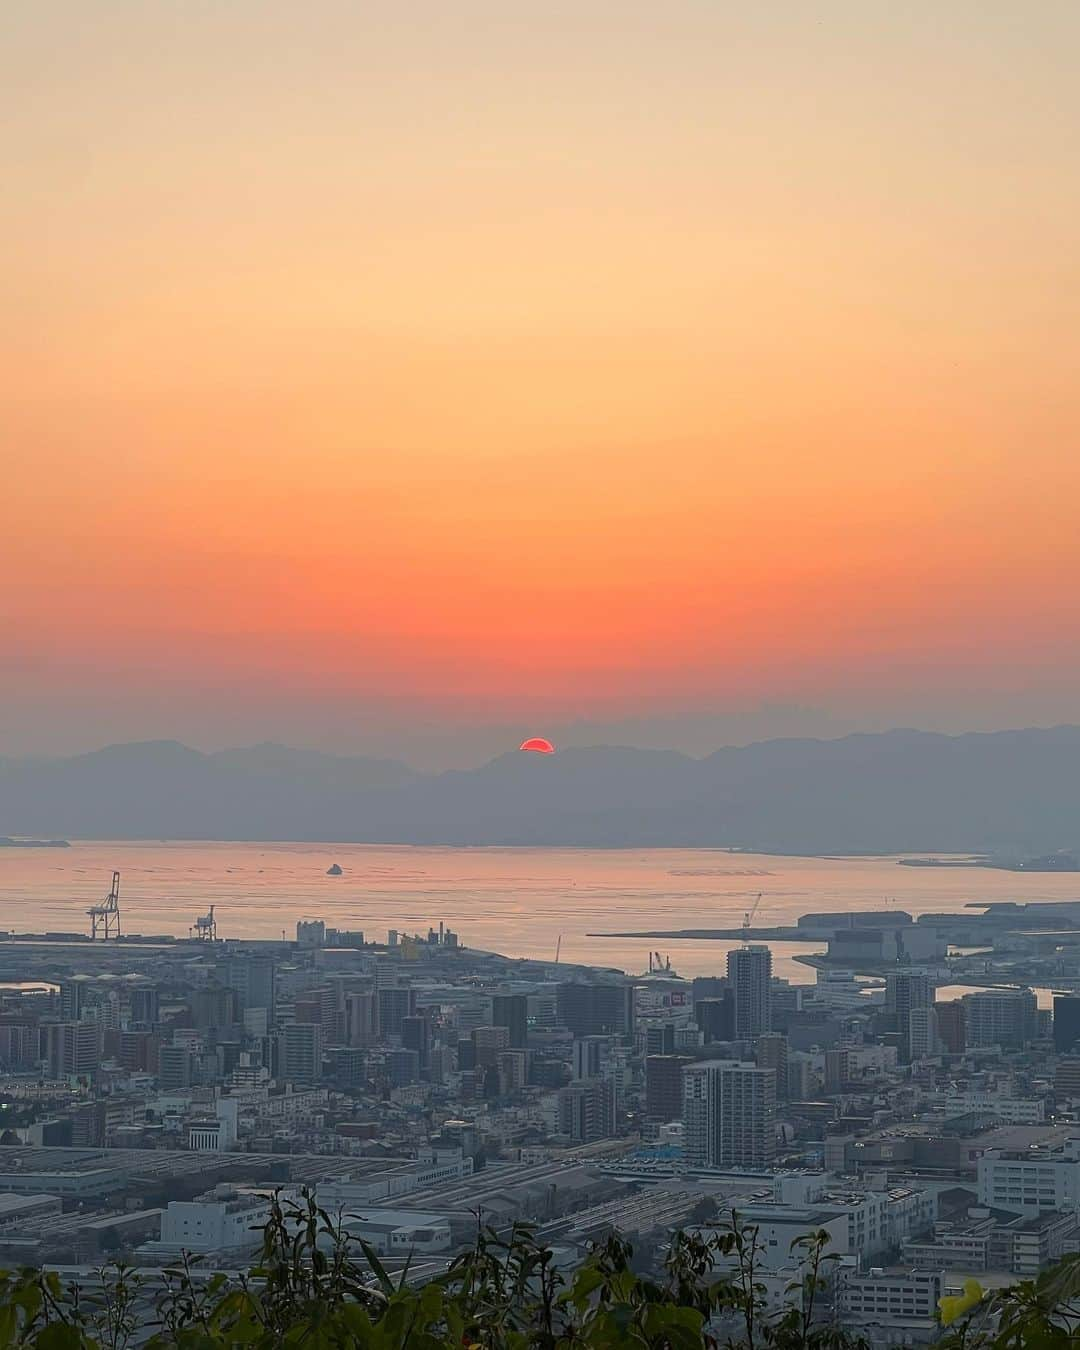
748, 919
105, 917
205, 927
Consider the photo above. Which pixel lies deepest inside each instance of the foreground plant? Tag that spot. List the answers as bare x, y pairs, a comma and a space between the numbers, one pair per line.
317, 1287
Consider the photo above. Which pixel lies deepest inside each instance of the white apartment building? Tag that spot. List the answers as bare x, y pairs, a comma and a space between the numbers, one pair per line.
729, 1114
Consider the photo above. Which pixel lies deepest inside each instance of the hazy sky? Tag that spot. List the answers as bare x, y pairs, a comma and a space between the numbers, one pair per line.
378, 373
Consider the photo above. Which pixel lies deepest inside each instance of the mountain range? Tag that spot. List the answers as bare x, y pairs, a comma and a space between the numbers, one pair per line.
899, 791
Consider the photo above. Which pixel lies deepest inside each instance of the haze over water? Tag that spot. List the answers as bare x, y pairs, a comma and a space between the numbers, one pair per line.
516, 901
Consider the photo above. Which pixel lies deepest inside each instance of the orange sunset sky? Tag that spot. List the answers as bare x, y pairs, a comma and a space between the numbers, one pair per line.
404, 377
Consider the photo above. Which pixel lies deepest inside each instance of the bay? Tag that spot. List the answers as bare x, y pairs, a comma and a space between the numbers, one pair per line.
517, 901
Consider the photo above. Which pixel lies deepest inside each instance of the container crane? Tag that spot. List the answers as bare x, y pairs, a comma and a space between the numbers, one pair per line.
205, 927
105, 917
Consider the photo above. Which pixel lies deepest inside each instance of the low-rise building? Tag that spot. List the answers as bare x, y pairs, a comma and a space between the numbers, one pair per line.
1031, 1182
884, 1294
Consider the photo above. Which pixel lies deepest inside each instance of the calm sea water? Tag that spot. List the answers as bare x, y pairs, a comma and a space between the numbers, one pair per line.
517, 901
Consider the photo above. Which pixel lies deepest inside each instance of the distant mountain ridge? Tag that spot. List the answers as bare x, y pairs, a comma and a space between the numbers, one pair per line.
892, 792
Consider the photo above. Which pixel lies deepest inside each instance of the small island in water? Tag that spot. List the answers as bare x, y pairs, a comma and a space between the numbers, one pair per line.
335, 870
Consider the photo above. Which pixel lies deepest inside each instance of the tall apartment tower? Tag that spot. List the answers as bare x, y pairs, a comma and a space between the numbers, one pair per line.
749, 971
772, 1053
1005, 1017
301, 1050
924, 1039
905, 991
729, 1114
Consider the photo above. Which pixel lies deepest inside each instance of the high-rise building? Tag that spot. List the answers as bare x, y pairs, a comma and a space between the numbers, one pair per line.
905, 990
664, 1087
488, 1043
402, 1067
587, 1110
20, 1045
396, 1002
952, 1026
1005, 1017
361, 1017
512, 1011
513, 1067
596, 1009
1067, 1076
729, 1114
658, 1038
837, 1069
716, 1016
771, 1052
175, 1067
416, 1035
749, 971
1066, 1022
252, 980
143, 1002
214, 1006
73, 1049
72, 993
332, 1012
138, 1051
301, 1050
924, 1040
588, 1055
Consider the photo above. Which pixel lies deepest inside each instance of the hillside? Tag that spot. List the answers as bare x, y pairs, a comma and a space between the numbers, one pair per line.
899, 791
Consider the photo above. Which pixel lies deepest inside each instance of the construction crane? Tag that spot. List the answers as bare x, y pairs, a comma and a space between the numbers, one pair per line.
748, 919
558, 949
105, 917
205, 927
658, 964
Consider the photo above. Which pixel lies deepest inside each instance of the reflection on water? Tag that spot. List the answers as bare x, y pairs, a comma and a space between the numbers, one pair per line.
516, 901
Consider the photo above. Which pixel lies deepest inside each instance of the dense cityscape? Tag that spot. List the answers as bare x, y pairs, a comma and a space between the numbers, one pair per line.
158, 1092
